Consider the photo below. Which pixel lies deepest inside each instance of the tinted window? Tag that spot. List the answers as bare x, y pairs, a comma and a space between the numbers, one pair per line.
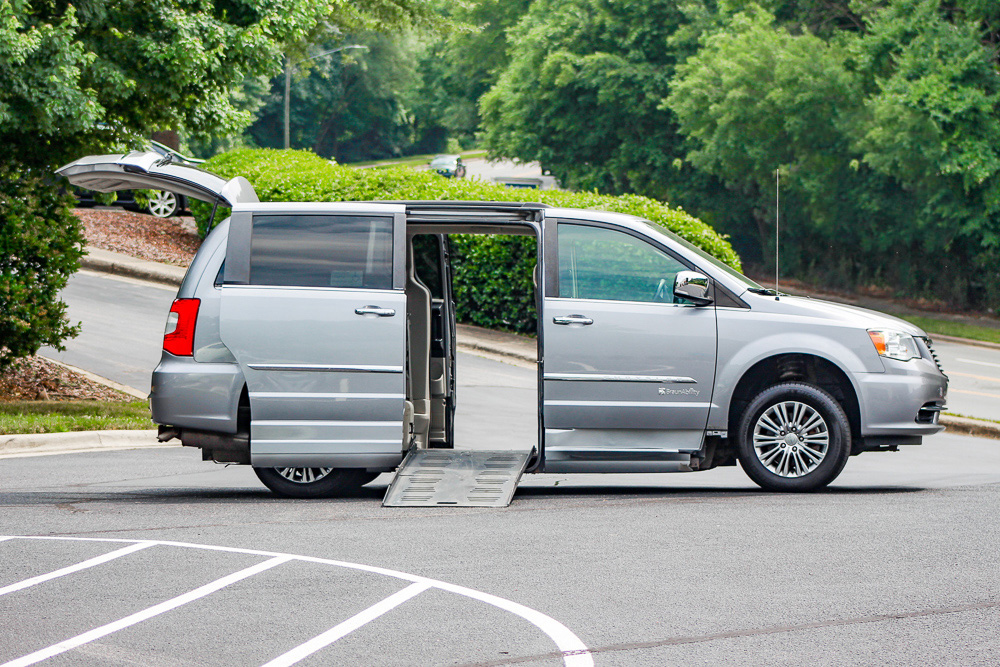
321, 251
599, 263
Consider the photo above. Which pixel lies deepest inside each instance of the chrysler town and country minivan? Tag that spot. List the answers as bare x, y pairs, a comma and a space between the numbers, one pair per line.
316, 343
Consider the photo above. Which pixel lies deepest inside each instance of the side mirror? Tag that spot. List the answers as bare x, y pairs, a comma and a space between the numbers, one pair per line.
692, 286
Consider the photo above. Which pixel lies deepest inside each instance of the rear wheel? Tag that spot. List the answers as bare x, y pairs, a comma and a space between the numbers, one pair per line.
793, 437
313, 482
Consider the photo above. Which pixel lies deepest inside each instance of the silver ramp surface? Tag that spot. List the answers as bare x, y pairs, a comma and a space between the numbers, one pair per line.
460, 478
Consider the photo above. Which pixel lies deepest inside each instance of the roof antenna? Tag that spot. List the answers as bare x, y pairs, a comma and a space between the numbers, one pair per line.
777, 202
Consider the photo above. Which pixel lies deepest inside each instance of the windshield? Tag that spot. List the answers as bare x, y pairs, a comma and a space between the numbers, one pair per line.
442, 161
730, 271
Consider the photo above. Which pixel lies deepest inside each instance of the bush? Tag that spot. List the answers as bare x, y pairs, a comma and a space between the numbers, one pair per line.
494, 290
41, 243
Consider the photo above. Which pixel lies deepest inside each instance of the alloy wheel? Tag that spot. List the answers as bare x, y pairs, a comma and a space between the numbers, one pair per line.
791, 439
162, 204
303, 475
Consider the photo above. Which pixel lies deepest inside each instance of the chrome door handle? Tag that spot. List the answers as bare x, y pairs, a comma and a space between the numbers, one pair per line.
375, 310
572, 319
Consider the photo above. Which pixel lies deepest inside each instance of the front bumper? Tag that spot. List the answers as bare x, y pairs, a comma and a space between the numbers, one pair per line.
905, 400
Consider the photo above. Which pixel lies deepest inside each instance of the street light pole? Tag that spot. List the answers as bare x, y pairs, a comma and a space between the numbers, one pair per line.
288, 79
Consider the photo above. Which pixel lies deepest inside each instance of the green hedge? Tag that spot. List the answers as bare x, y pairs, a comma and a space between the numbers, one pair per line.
493, 286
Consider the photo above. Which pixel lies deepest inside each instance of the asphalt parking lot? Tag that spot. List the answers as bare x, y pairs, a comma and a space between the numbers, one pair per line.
895, 564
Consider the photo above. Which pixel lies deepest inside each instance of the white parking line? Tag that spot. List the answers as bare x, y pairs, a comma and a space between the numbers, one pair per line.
348, 626
575, 652
75, 568
979, 363
145, 614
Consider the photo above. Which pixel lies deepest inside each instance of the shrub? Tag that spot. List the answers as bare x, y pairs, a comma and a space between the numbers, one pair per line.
41, 243
494, 290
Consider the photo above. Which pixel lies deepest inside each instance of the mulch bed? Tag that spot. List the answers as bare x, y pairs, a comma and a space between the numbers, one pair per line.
169, 240
38, 379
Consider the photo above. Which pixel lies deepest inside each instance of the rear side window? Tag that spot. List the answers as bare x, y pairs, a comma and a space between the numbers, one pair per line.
321, 251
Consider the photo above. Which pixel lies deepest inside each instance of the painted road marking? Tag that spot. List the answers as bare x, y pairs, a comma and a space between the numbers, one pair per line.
348, 626
145, 614
980, 363
975, 377
973, 393
74, 568
574, 652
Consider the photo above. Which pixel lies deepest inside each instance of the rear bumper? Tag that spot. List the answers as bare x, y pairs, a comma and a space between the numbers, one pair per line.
194, 395
903, 401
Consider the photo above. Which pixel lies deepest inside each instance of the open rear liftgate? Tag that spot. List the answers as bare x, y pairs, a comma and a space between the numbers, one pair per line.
458, 478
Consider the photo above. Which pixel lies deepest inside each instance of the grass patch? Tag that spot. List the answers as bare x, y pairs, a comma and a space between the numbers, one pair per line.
979, 419
948, 328
62, 416
412, 160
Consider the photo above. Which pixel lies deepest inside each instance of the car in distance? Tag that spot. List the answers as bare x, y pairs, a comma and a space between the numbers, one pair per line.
315, 341
160, 203
449, 166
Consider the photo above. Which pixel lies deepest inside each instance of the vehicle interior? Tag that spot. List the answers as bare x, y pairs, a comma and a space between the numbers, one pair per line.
431, 359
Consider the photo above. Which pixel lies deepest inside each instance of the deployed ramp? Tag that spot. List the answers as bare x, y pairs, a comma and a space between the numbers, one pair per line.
460, 478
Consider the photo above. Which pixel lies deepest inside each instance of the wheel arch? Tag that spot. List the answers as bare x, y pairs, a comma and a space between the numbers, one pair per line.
796, 367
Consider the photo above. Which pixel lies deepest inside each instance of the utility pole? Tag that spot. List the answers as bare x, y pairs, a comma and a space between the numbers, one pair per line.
288, 79
288, 91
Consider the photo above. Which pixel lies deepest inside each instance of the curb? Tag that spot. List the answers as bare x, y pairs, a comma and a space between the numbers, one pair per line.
502, 344
41, 444
119, 264
966, 426
111, 384
963, 341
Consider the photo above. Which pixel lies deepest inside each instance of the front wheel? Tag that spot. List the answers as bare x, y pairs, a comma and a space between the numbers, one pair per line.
793, 437
313, 482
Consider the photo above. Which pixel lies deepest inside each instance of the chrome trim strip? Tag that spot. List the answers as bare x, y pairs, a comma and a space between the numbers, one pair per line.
627, 404
297, 395
595, 377
322, 368
316, 422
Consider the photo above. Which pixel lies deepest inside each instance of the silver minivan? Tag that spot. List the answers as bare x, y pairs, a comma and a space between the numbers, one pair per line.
316, 342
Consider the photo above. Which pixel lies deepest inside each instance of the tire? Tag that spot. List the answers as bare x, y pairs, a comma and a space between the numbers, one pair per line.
314, 482
163, 204
793, 437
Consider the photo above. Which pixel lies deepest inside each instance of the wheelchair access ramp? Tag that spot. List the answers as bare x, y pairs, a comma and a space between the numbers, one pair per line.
459, 478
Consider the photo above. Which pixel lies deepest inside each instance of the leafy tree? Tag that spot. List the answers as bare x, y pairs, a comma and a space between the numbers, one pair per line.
460, 67
351, 105
93, 76
888, 138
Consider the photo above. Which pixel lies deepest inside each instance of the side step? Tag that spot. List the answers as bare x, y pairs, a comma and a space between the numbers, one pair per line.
459, 478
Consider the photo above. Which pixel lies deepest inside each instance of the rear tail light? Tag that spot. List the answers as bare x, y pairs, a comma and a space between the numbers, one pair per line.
178, 339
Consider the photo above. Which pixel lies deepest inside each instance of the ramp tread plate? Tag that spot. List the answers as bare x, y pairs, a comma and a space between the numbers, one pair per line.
456, 478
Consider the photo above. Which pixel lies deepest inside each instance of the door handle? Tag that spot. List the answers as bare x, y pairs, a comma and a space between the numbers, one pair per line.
572, 319
375, 310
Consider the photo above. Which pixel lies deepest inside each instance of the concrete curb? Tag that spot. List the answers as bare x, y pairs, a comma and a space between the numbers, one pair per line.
119, 264
478, 339
41, 444
966, 426
125, 389
963, 341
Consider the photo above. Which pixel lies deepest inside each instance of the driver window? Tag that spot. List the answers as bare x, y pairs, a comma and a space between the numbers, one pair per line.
600, 263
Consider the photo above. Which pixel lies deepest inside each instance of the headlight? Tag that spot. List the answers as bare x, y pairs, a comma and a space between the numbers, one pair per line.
894, 344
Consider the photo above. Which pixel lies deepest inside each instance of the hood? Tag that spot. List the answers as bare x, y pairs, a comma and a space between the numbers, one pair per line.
862, 318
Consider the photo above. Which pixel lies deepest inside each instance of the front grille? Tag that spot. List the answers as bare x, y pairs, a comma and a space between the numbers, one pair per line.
930, 348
